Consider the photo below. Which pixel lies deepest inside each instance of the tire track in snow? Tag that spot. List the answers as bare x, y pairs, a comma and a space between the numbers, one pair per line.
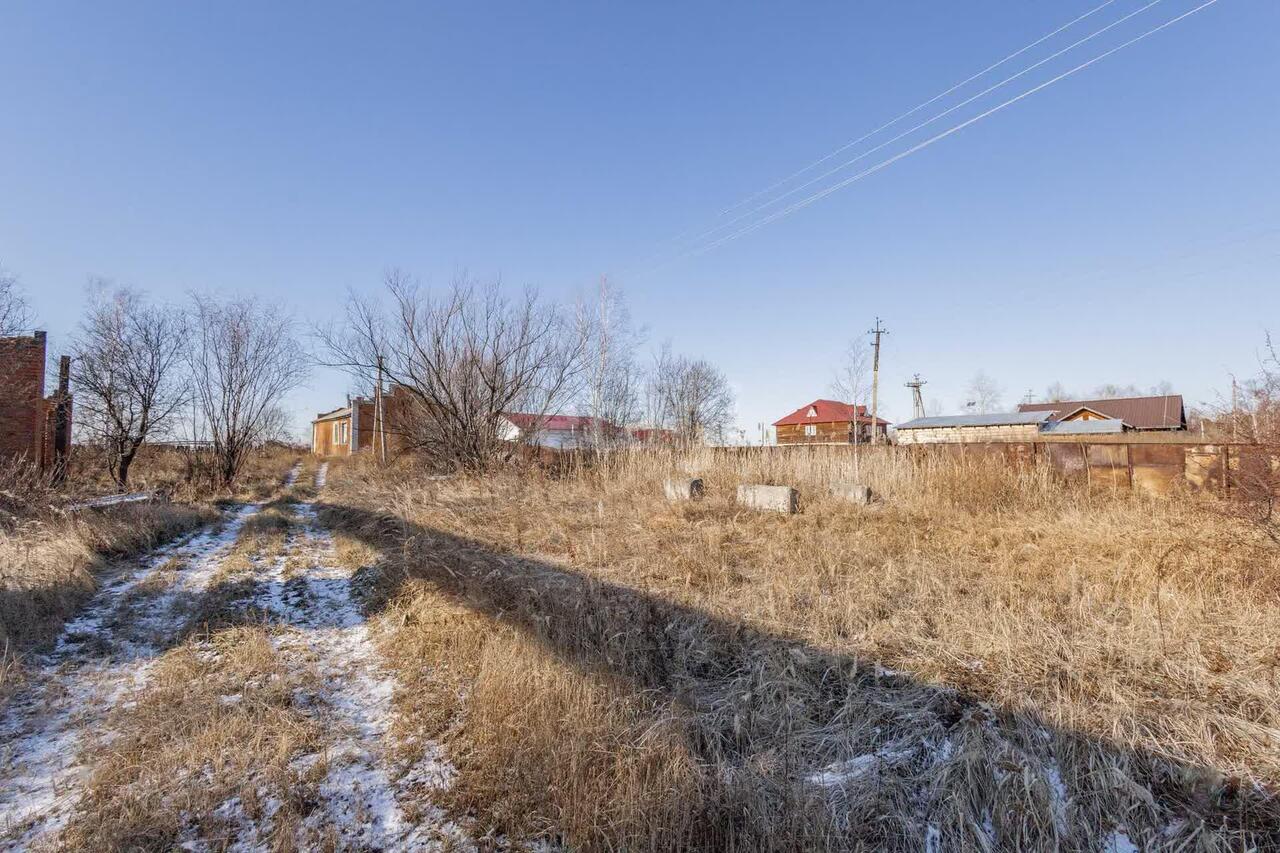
98, 658
321, 627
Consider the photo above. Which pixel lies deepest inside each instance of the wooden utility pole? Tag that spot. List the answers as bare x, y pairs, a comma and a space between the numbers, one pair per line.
875, 380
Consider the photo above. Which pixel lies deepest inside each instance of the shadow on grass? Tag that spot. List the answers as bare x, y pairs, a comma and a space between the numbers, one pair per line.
830, 750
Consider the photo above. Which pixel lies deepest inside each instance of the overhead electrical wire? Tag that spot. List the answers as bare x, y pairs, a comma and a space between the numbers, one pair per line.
697, 250
917, 108
698, 234
865, 154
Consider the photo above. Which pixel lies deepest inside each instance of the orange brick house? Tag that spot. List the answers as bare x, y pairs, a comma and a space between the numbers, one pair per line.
33, 426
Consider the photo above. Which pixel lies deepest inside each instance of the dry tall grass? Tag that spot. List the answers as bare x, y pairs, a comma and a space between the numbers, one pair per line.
987, 657
52, 558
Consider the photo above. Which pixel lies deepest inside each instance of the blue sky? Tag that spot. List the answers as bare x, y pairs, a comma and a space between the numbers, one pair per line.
1122, 225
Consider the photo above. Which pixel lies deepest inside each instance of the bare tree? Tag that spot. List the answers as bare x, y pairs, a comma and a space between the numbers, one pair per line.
1112, 389
612, 377
462, 360
15, 314
244, 358
852, 381
983, 394
853, 378
690, 396
127, 367
1056, 393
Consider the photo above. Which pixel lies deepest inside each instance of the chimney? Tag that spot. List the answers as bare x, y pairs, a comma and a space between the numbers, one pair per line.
64, 375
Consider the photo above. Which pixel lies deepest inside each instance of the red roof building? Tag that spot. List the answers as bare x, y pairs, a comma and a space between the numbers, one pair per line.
828, 422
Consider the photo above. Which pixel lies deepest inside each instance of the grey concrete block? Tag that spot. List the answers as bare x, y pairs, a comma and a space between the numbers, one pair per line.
683, 490
855, 493
769, 498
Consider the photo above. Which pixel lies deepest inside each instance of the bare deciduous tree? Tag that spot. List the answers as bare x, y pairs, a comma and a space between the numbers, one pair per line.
244, 358
853, 378
612, 377
127, 368
15, 314
463, 359
1056, 393
690, 396
983, 394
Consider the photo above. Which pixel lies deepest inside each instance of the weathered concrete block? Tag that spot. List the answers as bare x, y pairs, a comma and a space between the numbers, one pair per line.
683, 490
769, 498
855, 493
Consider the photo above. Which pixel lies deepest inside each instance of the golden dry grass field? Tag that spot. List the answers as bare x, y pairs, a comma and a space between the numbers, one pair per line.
386, 659
983, 659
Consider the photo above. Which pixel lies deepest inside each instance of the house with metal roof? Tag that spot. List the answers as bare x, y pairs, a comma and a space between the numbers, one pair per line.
1161, 412
977, 429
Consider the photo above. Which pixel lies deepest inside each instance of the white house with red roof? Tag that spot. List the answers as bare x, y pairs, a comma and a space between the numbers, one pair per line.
828, 422
559, 432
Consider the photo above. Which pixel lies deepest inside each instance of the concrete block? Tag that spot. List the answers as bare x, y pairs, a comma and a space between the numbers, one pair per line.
769, 498
854, 493
683, 490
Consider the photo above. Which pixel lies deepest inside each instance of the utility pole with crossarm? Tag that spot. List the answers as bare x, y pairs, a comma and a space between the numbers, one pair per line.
875, 380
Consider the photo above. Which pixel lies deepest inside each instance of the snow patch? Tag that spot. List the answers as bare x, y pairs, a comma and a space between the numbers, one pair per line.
97, 660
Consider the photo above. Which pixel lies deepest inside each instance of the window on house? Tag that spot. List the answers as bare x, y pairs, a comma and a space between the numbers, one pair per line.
810, 429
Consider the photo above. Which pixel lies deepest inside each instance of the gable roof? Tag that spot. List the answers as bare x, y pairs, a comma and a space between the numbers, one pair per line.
989, 419
1162, 412
828, 411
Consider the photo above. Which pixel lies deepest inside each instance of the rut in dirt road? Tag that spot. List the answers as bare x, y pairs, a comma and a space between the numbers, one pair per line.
319, 624
100, 656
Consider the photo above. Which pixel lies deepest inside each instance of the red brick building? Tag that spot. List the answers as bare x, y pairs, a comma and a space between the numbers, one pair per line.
32, 426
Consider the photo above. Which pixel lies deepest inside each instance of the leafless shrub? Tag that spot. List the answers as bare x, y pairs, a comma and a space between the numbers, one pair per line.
1253, 417
128, 365
244, 359
463, 358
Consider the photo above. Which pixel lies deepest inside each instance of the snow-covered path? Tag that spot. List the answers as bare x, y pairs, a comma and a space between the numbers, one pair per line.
312, 610
103, 653
321, 626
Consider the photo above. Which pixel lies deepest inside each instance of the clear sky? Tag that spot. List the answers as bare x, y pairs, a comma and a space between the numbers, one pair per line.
1122, 225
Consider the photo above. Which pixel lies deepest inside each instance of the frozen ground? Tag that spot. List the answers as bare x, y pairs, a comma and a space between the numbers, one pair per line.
102, 654
105, 653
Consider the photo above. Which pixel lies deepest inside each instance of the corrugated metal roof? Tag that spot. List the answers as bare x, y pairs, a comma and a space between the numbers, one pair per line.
1164, 412
989, 419
827, 411
1104, 425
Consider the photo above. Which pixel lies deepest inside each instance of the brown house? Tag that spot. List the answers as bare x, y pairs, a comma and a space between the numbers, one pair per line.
1163, 412
828, 422
358, 427
33, 426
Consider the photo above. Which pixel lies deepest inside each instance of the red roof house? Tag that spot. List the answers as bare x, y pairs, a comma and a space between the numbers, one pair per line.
828, 422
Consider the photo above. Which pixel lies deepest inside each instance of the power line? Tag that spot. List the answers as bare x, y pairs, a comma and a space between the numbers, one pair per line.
938, 137
920, 125
918, 107
769, 189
